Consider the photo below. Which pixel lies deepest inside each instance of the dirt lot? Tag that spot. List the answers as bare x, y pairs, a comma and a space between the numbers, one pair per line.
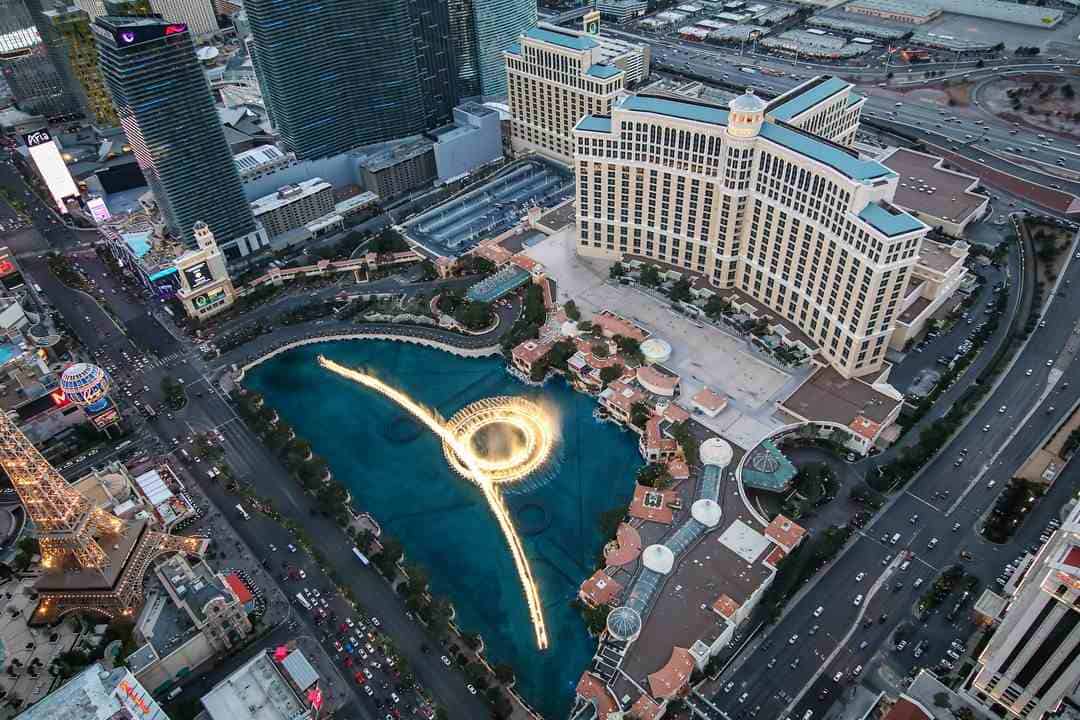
1042, 102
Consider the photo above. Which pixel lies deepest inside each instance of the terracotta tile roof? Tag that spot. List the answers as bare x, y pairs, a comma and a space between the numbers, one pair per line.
669, 680
600, 589
590, 688
531, 350
676, 413
906, 709
492, 251
660, 381
725, 607
773, 559
785, 532
678, 470
622, 395
656, 509
645, 708
625, 548
710, 401
1072, 557
865, 427
611, 325
654, 439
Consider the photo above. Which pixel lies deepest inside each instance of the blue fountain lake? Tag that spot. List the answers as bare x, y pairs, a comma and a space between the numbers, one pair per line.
396, 471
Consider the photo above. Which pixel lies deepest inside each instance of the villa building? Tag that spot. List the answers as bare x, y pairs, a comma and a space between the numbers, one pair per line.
796, 222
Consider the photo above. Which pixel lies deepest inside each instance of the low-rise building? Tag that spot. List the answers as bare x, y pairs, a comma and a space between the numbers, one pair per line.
191, 615
941, 198
399, 168
937, 276
913, 12
97, 694
264, 688
261, 161
474, 139
294, 206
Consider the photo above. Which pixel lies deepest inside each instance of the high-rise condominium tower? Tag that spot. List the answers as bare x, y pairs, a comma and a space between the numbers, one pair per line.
165, 107
337, 74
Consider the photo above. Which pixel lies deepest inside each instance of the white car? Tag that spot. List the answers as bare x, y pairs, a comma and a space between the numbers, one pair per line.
445, 661
472, 689
292, 548
858, 600
860, 576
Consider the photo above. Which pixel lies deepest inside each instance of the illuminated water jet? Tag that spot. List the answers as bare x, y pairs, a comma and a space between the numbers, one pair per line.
517, 436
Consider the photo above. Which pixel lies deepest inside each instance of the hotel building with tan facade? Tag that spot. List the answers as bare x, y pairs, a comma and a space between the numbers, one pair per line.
556, 76
754, 201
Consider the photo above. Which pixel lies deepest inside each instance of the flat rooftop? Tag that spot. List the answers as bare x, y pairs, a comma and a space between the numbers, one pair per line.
288, 194
937, 256
118, 550
829, 396
256, 691
87, 696
926, 187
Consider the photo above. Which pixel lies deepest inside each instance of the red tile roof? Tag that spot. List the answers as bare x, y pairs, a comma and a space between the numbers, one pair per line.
785, 532
239, 588
725, 607
600, 589
625, 548
645, 708
658, 512
590, 688
657, 380
1073, 557
710, 401
611, 325
906, 709
669, 680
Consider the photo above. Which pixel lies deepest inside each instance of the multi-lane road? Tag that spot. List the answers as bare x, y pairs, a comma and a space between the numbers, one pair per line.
1015, 418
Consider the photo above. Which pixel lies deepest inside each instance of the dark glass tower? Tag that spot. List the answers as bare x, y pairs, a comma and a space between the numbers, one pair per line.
168, 115
35, 80
435, 59
338, 74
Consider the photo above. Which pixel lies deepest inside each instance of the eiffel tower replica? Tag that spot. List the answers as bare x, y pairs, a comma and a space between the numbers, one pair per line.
94, 561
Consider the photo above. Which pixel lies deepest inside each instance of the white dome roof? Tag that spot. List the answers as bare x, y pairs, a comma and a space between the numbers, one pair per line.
716, 451
658, 558
656, 350
706, 512
747, 102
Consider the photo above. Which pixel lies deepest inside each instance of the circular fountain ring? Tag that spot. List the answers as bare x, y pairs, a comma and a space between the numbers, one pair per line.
531, 428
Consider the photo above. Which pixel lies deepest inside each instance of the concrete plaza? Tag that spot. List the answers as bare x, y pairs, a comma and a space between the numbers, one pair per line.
702, 354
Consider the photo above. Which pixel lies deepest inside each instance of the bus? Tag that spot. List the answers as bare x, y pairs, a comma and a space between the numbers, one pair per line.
303, 601
123, 445
362, 556
243, 513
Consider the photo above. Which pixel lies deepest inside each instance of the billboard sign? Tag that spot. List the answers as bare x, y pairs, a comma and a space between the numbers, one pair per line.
197, 275
98, 210
51, 167
135, 34
210, 299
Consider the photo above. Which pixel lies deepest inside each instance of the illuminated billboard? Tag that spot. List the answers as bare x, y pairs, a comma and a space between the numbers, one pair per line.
98, 210
51, 167
197, 275
211, 298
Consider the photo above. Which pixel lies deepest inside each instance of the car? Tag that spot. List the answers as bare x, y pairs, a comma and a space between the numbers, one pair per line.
1002, 409
813, 630
986, 428
742, 698
292, 548
857, 601
1028, 372
901, 645
917, 583
793, 639
857, 670
838, 676
956, 527
368, 690
375, 621
471, 688
772, 663
820, 609
273, 548
795, 663
886, 560
727, 688
991, 484
303, 575
932, 544
860, 576
1049, 363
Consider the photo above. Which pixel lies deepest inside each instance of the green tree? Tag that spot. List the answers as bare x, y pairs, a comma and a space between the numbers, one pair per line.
617, 271
716, 306
504, 673
689, 445
571, 310
640, 414
680, 291
629, 348
650, 276
428, 271
1067, 91
600, 349
610, 373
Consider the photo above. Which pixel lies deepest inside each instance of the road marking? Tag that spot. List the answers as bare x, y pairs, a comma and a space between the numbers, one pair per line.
924, 502
882, 579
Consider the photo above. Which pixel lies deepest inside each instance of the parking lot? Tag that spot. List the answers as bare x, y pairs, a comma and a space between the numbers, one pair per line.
702, 354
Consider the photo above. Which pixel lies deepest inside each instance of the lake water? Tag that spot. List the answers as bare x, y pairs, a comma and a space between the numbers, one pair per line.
396, 471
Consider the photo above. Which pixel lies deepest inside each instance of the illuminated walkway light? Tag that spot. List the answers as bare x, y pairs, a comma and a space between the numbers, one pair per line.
490, 442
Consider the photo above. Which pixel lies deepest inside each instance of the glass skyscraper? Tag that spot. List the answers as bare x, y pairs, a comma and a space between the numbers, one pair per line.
498, 23
37, 83
338, 74
167, 112
435, 59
